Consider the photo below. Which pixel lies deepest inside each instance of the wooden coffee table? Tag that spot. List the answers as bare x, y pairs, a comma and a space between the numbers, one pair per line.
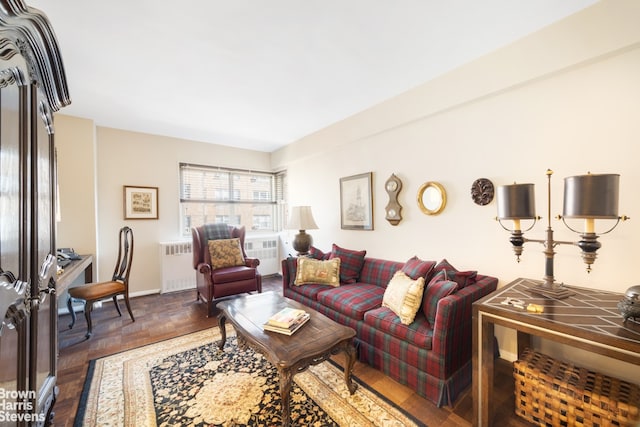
313, 343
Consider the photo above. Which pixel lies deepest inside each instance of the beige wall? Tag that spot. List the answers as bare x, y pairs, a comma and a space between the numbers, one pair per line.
76, 152
566, 98
495, 118
128, 158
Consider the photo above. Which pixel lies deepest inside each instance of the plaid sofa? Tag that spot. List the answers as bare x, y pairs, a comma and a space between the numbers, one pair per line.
435, 360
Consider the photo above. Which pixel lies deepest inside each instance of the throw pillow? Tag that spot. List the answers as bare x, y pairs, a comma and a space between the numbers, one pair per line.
225, 253
438, 288
415, 267
292, 268
351, 263
403, 296
318, 254
462, 278
317, 271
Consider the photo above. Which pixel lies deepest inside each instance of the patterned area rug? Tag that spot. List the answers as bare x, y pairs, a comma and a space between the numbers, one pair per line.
188, 381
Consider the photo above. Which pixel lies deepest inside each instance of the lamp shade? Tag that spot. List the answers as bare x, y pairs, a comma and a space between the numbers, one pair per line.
301, 218
516, 201
591, 196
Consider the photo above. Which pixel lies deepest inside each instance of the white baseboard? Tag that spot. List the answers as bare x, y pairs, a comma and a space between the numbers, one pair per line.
142, 293
508, 356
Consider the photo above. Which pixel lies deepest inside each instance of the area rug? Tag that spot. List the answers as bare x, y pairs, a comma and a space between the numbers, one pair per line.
188, 381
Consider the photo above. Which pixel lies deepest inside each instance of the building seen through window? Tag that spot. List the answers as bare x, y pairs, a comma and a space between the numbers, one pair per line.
251, 199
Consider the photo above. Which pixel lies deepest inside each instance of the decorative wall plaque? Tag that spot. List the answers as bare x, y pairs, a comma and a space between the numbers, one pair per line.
482, 191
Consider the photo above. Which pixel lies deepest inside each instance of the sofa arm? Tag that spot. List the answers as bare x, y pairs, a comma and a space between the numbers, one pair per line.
252, 262
289, 269
452, 332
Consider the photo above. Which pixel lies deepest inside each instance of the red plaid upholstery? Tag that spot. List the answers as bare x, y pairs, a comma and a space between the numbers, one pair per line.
383, 319
438, 288
352, 300
318, 254
310, 291
415, 268
350, 263
378, 271
433, 358
462, 278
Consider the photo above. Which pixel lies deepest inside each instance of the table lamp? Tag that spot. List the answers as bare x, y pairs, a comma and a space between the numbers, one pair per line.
301, 219
588, 197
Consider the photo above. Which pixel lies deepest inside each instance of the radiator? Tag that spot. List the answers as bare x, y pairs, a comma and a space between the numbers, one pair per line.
265, 248
177, 268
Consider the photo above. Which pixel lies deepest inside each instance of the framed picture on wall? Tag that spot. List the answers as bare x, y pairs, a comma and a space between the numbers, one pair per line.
140, 202
356, 202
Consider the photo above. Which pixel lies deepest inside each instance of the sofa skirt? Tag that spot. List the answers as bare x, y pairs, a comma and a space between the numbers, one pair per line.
440, 391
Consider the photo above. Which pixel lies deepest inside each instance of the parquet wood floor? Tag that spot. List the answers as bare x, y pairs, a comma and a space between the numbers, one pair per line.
160, 317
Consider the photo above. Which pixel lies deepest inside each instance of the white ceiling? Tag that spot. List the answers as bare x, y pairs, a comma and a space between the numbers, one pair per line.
261, 74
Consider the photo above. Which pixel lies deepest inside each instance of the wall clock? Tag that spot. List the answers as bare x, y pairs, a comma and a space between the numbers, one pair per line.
392, 186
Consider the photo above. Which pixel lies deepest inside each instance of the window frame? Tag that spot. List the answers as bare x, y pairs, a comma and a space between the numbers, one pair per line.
231, 199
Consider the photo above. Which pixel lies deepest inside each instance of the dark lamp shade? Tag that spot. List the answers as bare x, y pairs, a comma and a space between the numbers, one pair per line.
591, 196
516, 201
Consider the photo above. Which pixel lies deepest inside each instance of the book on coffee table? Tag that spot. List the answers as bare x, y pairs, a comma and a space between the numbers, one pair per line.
286, 317
290, 329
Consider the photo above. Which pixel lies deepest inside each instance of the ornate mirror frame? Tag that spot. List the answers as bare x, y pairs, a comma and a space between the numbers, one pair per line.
432, 198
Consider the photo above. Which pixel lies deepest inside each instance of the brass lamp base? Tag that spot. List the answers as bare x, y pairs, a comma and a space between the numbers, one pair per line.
550, 290
302, 242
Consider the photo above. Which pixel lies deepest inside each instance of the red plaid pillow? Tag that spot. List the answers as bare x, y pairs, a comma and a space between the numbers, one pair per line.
439, 287
462, 278
318, 254
351, 263
415, 268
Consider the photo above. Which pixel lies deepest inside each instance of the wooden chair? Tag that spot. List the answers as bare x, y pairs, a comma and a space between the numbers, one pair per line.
118, 285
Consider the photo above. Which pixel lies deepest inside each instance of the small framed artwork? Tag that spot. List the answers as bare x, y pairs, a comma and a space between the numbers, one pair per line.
356, 202
140, 202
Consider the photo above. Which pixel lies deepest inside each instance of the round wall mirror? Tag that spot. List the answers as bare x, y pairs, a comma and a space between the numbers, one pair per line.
432, 198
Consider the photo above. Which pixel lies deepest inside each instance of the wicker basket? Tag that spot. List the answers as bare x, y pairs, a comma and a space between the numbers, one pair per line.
554, 393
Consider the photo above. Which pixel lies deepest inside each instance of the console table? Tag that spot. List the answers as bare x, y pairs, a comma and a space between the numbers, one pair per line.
72, 271
589, 319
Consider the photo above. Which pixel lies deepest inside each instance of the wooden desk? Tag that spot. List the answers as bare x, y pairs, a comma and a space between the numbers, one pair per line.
589, 320
73, 271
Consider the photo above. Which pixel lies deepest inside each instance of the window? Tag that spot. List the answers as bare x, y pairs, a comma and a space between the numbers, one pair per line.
251, 199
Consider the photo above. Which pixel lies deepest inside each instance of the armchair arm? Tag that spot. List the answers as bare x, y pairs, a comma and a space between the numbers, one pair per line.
204, 268
454, 325
252, 262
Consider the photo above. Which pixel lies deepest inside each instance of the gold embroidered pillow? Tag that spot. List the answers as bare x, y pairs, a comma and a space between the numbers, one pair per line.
403, 296
311, 270
225, 253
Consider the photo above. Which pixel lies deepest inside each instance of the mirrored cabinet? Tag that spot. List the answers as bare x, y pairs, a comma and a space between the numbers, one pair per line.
32, 87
